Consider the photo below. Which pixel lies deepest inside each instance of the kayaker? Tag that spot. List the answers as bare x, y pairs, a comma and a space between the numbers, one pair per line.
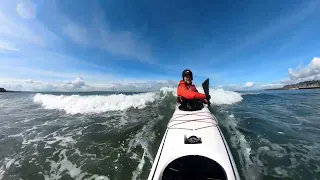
187, 92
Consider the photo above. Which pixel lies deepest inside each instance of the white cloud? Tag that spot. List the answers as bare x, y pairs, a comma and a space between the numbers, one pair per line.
249, 84
80, 85
40, 73
76, 33
307, 73
99, 34
21, 32
26, 9
77, 83
231, 87
53, 66
271, 86
126, 44
131, 86
16, 31
300, 74
5, 46
29, 81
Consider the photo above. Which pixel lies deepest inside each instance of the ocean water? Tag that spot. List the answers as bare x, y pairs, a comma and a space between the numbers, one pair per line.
101, 136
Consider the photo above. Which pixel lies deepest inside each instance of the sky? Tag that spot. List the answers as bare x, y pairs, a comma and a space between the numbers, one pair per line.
80, 45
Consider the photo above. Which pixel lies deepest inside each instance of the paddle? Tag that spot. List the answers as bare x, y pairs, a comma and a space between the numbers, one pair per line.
205, 86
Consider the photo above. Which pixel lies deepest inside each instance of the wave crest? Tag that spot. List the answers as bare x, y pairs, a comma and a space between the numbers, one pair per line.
76, 104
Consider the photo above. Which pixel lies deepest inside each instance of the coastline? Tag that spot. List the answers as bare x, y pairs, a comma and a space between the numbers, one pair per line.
3, 90
314, 84
299, 88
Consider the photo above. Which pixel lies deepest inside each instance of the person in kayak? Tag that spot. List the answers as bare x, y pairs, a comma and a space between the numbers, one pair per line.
188, 95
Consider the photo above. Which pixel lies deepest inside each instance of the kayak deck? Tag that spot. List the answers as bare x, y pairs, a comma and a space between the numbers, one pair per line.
193, 147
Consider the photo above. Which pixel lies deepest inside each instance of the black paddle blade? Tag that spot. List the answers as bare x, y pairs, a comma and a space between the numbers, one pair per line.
205, 86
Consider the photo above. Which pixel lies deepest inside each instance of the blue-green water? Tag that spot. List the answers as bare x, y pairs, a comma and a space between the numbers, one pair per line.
97, 135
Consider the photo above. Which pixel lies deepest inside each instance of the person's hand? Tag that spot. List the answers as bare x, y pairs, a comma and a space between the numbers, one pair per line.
205, 101
209, 97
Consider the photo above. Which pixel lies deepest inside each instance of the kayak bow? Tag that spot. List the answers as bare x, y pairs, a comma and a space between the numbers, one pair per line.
193, 147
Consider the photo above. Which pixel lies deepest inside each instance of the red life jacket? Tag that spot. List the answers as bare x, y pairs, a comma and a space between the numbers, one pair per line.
189, 92
192, 88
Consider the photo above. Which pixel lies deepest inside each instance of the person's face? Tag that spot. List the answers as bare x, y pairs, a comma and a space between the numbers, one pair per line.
187, 79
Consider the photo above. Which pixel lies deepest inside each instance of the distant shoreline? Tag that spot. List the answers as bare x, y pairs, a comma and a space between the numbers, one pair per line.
315, 84
7, 91
3, 90
300, 88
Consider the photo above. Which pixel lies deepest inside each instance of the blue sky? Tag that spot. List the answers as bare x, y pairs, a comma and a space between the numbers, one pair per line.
98, 45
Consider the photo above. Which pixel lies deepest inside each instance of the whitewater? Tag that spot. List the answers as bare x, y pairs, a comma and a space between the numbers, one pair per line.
74, 104
106, 136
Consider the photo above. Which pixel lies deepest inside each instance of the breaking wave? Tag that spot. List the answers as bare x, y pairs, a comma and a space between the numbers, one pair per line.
77, 104
218, 96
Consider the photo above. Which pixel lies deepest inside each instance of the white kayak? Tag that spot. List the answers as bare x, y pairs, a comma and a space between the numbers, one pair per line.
193, 147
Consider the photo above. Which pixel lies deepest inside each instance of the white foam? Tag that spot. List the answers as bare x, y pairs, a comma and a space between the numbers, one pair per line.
49, 139
169, 90
9, 163
221, 96
142, 139
75, 104
138, 171
250, 93
281, 171
238, 141
2, 171
64, 141
218, 96
6, 165
97, 177
57, 168
63, 165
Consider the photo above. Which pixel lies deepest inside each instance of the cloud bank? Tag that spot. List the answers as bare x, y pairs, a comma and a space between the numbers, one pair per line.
307, 73
93, 82
249, 84
310, 72
79, 84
